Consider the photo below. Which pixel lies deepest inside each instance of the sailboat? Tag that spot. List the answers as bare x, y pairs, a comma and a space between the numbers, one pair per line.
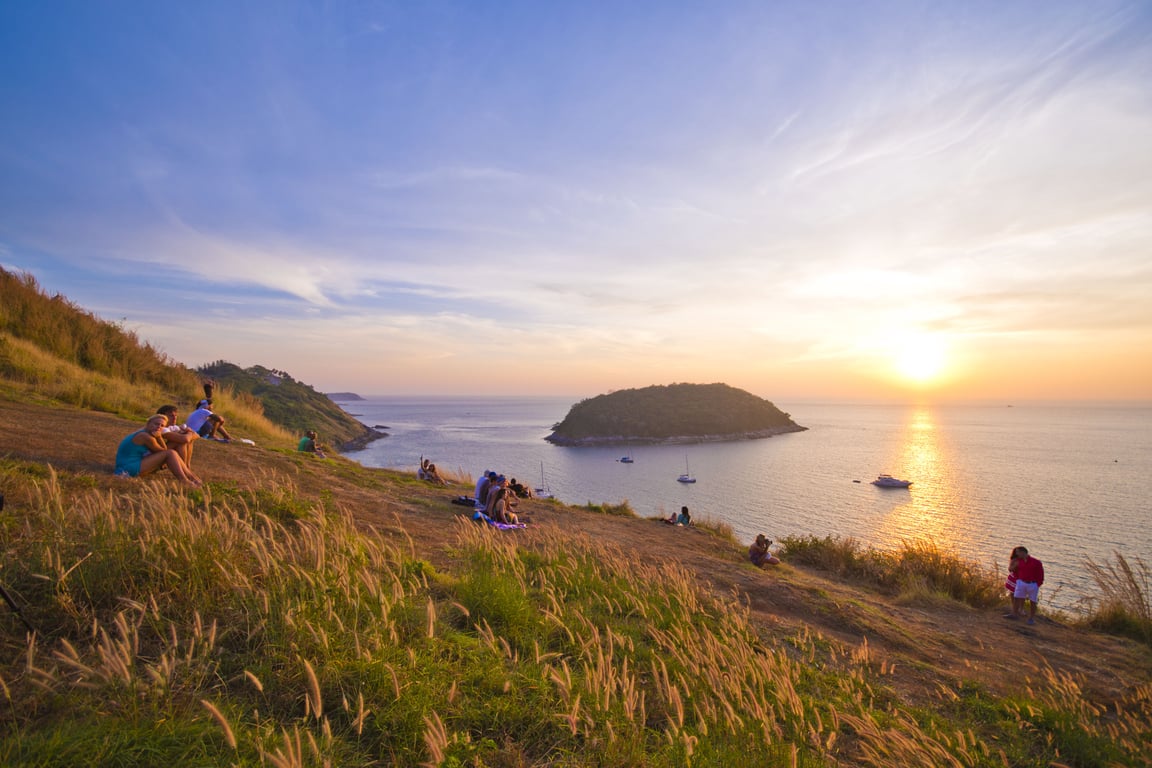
687, 476
543, 492
625, 459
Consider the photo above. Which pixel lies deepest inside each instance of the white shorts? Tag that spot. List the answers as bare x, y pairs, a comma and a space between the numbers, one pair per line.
1029, 590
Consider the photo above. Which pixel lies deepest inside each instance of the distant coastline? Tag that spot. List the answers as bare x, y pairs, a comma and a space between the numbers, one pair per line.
338, 397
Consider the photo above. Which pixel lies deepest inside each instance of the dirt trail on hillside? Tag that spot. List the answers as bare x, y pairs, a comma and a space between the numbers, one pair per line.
928, 646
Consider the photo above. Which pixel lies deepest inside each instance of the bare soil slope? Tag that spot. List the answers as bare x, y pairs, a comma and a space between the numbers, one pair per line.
928, 645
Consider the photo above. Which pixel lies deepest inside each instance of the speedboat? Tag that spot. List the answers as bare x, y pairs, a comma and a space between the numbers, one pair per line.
887, 481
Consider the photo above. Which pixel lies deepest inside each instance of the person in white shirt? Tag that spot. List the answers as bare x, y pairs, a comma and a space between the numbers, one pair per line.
208, 424
178, 437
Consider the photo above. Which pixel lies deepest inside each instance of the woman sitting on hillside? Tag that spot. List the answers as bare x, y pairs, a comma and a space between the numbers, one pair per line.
143, 452
758, 553
502, 510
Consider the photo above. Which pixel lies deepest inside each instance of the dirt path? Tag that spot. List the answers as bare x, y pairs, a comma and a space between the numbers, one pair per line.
927, 646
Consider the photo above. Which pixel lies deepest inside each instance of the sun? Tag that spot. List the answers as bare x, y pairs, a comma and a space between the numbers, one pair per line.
920, 358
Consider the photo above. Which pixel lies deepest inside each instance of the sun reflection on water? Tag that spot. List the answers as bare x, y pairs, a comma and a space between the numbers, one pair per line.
931, 510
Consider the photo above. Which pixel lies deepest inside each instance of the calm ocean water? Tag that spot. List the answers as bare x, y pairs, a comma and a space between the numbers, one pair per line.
1068, 481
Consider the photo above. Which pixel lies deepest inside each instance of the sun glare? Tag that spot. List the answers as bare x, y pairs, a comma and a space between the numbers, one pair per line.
920, 358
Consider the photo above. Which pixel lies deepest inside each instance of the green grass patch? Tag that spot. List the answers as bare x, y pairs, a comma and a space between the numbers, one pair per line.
176, 625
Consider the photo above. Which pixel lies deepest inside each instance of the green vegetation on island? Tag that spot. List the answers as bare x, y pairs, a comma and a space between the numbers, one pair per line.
314, 612
292, 404
676, 413
340, 397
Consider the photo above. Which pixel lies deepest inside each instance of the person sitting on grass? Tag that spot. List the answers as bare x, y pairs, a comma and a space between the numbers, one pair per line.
308, 444
484, 490
178, 437
502, 509
207, 423
522, 491
759, 554
143, 452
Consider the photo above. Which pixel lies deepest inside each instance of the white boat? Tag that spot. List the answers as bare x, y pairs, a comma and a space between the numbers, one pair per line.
887, 481
687, 476
543, 492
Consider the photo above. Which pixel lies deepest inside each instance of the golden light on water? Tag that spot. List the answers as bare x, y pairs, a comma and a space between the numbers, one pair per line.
928, 511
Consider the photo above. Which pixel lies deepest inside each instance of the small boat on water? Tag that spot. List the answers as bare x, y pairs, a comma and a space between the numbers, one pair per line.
887, 481
687, 476
625, 459
543, 492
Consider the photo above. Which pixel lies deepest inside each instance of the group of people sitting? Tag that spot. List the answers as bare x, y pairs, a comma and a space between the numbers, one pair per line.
684, 518
495, 500
165, 443
161, 443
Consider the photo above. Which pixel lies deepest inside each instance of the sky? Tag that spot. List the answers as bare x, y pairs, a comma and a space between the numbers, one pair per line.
806, 200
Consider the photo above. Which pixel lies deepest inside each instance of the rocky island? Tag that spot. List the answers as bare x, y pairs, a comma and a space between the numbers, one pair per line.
677, 413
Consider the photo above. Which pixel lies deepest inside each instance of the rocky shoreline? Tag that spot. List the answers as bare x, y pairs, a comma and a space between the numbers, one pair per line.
600, 440
359, 442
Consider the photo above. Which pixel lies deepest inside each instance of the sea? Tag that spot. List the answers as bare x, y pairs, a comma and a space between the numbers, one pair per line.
1071, 481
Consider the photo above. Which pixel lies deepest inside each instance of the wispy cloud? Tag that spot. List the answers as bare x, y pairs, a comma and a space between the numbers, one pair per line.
755, 191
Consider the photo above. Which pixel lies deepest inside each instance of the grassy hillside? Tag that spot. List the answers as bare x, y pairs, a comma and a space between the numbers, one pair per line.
677, 411
49, 344
52, 349
299, 611
289, 403
307, 612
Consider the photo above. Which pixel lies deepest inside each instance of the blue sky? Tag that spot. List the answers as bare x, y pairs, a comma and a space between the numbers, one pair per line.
873, 199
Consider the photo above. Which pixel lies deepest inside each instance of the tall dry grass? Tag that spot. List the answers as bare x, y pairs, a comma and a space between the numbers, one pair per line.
917, 569
1123, 602
211, 628
50, 348
76, 336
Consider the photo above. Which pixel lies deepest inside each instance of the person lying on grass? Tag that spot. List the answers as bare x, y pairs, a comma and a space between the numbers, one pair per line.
143, 452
